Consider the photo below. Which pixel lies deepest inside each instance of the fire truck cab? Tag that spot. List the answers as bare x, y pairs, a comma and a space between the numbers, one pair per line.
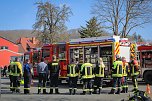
58, 50
145, 57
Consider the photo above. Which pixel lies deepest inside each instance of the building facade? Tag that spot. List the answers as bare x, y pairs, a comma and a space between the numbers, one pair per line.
8, 49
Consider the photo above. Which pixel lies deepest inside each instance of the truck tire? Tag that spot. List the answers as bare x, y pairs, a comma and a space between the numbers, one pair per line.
148, 77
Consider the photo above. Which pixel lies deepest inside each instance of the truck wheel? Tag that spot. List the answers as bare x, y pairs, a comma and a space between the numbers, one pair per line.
148, 77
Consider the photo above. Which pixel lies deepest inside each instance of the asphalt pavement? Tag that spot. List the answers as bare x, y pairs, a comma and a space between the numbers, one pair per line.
6, 95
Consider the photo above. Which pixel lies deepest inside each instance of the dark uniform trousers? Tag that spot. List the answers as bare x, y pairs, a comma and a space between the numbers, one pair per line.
16, 83
73, 82
124, 85
87, 85
117, 80
135, 82
11, 82
98, 82
54, 78
42, 82
27, 83
125, 81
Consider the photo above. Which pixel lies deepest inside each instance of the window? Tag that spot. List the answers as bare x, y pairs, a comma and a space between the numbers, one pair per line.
35, 57
27, 56
46, 53
62, 52
4, 47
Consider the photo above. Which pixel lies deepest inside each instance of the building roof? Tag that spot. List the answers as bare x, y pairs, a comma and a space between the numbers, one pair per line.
7, 40
25, 43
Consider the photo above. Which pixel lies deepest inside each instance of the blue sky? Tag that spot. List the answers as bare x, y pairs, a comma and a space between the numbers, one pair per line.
20, 14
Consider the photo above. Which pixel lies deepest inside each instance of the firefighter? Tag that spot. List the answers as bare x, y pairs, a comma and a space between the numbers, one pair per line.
54, 69
5, 71
99, 74
87, 76
134, 71
125, 76
73, 71
27, 77
117, 73
10, 75
42, 70
16, 70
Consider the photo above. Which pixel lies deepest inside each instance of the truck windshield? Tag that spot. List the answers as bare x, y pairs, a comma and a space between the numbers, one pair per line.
35, 57
26, 56
46, 53
62, 52
146, 58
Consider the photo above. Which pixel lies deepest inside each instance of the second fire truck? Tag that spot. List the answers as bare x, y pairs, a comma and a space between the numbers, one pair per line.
92, 48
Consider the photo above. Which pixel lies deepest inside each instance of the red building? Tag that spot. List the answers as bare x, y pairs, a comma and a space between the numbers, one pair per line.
8, 49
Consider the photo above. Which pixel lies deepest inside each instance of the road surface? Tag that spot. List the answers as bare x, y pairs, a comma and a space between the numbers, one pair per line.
6, 95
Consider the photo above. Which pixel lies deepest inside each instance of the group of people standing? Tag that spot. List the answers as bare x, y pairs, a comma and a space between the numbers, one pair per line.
87, 73
121, 70
92, 77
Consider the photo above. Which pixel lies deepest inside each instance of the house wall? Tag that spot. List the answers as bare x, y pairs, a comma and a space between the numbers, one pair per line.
11, 46
5, 54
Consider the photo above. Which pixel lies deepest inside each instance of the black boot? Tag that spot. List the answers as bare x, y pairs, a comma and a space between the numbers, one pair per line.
123, 90
95, 91
28, 91
84, 92
57, 91
99, 91
51, 91
90, 92
74, 91
126, 90
17, 90
39, 91
44, 91
118, 91
112, 91
70, 91
13, 90
25, 91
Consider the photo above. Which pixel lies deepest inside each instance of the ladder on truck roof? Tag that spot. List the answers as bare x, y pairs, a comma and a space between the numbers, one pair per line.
93, 39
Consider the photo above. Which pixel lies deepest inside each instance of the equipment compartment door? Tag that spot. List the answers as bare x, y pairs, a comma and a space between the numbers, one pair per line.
106, 54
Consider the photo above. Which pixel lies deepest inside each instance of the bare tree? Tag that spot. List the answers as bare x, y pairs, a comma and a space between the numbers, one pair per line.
50, 21
121, 16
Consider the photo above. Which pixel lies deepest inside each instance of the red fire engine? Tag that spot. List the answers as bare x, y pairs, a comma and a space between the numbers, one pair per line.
145, 57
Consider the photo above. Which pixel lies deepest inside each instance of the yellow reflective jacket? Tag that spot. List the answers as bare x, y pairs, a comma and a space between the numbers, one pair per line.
19, 66
125, 69
99, 70
87, 71
117, 70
